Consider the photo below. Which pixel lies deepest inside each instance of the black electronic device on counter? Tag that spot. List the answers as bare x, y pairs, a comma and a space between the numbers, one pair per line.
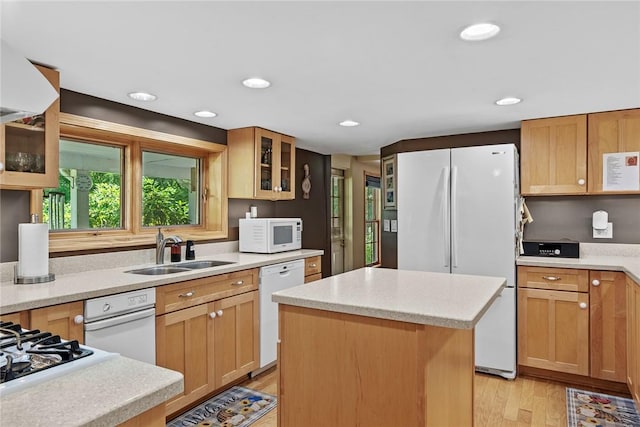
560, 248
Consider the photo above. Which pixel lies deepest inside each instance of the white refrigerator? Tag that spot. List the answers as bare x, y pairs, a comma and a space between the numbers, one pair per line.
457, 212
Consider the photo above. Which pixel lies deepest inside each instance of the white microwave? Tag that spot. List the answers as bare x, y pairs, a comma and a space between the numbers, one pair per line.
270, 235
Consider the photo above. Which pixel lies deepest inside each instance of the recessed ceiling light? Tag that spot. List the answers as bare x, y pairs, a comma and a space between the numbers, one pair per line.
142, 96
256, 83
510, 100
205, 113
481, 31
349, 123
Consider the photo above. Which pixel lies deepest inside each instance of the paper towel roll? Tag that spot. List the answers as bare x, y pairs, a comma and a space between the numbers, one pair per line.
33, 250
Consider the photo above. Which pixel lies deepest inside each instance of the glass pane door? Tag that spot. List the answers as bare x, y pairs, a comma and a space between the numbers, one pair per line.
266, 163
25, 145
285, 166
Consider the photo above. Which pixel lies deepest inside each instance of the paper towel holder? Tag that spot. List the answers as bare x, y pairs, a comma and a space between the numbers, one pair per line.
31, 280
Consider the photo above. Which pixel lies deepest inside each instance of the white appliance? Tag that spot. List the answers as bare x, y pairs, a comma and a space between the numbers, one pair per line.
457, 213
274, 278
270, 235
123, 323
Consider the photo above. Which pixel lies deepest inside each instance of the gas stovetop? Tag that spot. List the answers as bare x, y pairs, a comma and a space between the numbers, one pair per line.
31, 356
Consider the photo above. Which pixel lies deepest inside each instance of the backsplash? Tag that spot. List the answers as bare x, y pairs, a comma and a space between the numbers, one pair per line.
570, 217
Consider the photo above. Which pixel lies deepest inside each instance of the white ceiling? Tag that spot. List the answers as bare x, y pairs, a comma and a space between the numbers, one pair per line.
397, 67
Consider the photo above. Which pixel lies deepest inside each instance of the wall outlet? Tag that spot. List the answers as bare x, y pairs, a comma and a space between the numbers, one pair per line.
607, 233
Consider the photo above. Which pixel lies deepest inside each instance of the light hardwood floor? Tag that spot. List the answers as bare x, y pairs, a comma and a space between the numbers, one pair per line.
498, 402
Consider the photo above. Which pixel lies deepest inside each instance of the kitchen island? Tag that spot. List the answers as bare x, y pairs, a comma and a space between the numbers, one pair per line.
379, 347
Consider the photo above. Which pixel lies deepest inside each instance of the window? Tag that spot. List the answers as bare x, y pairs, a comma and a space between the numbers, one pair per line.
89, 194
372, 220
118, 183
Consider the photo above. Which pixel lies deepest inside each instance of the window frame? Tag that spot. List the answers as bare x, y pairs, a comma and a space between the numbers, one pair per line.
213, 179
375, 222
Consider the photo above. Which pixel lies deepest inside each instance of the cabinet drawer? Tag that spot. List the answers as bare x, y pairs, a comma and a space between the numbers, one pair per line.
312, 265
192, 292
312, 278
560, 279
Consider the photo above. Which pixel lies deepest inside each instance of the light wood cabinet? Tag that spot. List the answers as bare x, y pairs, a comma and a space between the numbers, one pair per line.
261, 164
608, 325
633, 339
208, 329
312, 269
236, 341
66, 320
29, 147
21, 318
553, 156
611, 132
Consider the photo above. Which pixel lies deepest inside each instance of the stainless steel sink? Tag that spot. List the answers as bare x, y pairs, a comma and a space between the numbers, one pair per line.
203, 264
160, 269
178, 268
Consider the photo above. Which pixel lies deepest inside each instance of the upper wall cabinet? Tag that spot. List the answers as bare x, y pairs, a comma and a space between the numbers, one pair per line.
554, 156
29, 147
614, 143
261, 164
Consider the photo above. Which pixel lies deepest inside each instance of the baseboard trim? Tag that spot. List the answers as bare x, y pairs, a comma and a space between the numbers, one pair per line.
592, 384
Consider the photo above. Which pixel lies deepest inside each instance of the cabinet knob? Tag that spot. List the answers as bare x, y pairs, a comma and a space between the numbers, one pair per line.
219, 312
78, 319
212, 315
581, 181
582, 305
595, 282
312, 265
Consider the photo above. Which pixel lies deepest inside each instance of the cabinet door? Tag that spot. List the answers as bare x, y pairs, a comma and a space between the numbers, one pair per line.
607, 297
21, 318
29, 147
184, 343
553, 329
554, 155
287, 166
268, 165
237, 337
65, 320
612, 132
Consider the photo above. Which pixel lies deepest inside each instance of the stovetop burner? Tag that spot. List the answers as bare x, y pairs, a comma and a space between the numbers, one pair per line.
24, 352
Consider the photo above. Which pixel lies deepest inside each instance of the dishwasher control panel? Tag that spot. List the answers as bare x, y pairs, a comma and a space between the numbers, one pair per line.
112, 305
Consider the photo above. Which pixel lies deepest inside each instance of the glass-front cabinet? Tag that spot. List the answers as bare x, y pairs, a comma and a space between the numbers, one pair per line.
273, 174
29, 146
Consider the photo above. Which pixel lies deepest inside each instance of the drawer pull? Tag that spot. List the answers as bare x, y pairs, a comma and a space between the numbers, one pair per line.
312, 265
583, 305
187, 294
551, 278
238, 283
595, 282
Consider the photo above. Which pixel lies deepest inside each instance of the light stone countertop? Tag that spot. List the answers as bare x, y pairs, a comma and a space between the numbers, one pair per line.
104, 394
625, 258
437, 299
100, 282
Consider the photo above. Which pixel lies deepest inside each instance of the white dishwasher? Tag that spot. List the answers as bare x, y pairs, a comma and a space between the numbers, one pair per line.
123, 323
274, 278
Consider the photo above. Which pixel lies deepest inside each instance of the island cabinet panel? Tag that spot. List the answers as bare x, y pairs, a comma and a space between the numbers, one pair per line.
185, 343
608, 325
343, 369
65, 320
237, 337
554, 155
611, 132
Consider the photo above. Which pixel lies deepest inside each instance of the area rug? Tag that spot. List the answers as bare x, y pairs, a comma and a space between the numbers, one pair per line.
590, 409
236, 407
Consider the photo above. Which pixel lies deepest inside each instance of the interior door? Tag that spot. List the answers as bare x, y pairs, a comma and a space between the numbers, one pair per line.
423, 210
337, 221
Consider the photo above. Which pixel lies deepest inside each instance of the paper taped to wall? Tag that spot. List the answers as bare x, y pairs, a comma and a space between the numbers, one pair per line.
620, 171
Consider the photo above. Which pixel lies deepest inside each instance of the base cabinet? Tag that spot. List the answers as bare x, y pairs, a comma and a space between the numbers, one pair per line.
312, 269
208, 329
65, 320
573, 321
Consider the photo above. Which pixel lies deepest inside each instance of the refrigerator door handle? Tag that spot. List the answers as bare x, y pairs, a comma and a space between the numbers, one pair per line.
454, 216
445, 215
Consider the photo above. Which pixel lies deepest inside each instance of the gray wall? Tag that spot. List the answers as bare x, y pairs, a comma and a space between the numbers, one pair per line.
14, 209
570, 217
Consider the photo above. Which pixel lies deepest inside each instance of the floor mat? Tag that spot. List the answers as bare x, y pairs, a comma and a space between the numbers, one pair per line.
237, 407
590, 409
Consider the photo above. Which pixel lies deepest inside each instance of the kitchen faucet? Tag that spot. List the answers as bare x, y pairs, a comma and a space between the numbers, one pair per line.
161, 243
